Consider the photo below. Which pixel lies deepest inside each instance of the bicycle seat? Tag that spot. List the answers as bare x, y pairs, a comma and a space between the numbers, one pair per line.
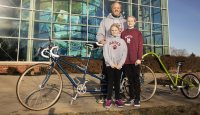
180, 63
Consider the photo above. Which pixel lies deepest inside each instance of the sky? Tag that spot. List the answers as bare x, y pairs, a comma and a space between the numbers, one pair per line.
184, 25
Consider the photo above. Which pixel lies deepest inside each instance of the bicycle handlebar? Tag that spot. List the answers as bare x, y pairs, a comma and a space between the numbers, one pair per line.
49, 52
93, 46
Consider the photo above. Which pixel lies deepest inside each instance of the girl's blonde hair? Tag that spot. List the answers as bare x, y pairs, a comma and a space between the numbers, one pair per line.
115, 25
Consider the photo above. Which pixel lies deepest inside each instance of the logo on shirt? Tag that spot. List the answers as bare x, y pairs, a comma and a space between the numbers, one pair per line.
128, 38
114, 44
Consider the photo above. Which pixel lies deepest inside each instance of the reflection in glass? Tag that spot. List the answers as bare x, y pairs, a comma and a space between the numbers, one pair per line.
157, 37
157, 27
92, 31
95, 8
147, 48
26, 3
9, 28
37, 44
156, 15
23, 49
43, 16
135, 11
61, 31
9, 12
79, 7
125, 9
94, 21
63, 47
43, 5
97, 53
145, 2
24, 29
79, 33
13, 3
144, 13
156, 3
42, 30
25, 14
61, 17
158, 50
61, 5
76, 19
107, 7
147, 37
8, 49
77, 49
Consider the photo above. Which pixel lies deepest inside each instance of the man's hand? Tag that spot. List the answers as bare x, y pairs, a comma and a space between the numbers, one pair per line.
103, 41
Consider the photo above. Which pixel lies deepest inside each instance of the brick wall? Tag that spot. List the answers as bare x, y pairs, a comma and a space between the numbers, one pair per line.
13, 69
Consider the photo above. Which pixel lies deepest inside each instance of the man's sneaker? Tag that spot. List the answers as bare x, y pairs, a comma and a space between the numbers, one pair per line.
136, 103
119, 103
129, 102
100, 101
108, 103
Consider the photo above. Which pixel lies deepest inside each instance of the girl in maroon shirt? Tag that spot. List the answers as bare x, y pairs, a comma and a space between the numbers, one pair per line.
134, 41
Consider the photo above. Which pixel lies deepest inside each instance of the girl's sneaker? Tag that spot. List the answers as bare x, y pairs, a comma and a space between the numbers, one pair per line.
108, 103
119, 103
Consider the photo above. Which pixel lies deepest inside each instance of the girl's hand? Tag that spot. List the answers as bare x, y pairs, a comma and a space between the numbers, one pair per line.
118, 67
113, 66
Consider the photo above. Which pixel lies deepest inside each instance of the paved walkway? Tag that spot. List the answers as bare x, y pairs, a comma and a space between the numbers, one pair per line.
162, 103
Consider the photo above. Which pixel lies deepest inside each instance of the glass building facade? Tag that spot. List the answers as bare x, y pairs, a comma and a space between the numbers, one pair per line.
26, 25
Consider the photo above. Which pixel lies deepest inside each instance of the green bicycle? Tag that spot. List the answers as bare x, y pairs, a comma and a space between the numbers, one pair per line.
189, 83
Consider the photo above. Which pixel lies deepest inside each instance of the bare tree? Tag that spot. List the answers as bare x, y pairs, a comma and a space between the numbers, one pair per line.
179, 52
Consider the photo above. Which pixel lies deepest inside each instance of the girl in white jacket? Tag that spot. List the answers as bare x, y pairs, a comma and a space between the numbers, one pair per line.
114, 52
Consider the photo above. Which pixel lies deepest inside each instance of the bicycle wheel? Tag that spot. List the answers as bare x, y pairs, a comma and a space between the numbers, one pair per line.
191, 87
124, 88
39, 87
148, 83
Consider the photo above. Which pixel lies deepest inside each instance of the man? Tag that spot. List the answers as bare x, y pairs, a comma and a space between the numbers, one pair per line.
114, 17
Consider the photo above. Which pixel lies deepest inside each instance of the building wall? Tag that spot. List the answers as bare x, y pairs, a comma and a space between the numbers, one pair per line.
27, 25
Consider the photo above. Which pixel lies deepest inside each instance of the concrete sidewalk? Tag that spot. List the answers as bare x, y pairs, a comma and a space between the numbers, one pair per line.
163, 102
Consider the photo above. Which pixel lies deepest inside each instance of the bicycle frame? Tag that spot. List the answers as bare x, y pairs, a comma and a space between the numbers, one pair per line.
85, 71
169, 75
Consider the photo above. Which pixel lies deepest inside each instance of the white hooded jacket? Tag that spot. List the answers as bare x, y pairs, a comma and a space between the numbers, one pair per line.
104, 28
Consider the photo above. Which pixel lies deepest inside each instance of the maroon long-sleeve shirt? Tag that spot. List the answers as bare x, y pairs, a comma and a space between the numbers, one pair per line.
134, 40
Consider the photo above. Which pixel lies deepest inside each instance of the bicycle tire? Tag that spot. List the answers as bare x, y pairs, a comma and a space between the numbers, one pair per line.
148, 84
31, 94
191, 85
